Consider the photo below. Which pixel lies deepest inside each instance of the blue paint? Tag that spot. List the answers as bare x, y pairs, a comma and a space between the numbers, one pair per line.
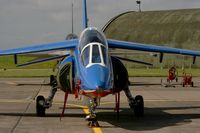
99, 75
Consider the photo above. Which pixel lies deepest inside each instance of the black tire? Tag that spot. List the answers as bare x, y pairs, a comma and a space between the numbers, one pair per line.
192, 85
139, 106
40, 109
183, 85
168, 80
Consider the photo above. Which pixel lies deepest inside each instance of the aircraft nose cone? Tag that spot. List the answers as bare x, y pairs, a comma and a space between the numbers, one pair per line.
98, 82
98, 77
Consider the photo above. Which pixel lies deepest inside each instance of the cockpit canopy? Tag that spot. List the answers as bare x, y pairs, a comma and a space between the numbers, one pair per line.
93, 48
90, 35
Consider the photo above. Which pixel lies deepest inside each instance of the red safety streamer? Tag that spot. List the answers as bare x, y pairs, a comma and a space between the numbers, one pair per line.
64, 106
117, 105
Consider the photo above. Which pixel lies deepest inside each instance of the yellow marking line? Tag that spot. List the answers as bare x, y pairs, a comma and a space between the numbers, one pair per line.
86, 111
85, 107
14, 101
155, 100
9, 83
95, 129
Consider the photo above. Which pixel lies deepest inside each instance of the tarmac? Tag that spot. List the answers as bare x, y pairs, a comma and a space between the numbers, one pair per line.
167, 109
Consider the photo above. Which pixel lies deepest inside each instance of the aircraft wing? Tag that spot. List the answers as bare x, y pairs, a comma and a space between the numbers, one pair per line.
67, 44
42, 60
150, 48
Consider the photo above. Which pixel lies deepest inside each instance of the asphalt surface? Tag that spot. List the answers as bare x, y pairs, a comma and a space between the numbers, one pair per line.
171, 109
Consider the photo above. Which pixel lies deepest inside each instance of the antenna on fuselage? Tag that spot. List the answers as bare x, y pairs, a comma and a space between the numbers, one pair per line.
85, 18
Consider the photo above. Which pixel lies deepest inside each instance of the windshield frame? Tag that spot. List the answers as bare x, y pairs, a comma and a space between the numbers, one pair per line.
103, 56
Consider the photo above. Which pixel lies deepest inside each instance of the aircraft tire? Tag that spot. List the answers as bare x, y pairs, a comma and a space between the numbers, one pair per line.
192, 84
139, 106
183, 85
40, 109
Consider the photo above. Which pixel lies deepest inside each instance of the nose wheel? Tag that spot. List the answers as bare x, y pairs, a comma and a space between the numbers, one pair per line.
40, 106
93, 124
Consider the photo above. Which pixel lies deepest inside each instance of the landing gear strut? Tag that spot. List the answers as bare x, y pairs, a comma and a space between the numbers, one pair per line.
137, 103
41, 103
91, 117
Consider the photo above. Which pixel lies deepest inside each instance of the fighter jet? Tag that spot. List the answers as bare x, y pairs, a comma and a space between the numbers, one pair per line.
89, 69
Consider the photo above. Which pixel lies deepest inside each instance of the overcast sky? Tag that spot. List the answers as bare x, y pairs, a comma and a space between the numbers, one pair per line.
25, 22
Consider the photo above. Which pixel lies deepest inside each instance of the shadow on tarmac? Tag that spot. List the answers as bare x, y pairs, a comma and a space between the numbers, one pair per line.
154, 118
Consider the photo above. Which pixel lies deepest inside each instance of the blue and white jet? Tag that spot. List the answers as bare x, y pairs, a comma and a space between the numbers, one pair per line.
89, 70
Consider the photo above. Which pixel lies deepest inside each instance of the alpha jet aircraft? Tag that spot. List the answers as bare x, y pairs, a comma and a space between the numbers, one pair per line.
89, 69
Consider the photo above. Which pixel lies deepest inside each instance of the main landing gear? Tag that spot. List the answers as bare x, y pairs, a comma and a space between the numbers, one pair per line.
139, 106
40, 108
137, 103
41, 103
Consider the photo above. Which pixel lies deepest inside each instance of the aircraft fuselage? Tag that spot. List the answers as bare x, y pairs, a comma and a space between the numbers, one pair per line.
94, 69
91, 64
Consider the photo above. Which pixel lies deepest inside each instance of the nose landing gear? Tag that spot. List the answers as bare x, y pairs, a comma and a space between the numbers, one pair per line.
91, 117
93, 123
